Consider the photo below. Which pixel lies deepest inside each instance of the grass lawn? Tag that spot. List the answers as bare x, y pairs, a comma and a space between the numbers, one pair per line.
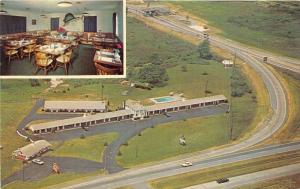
226, 171
273, 26
90, 148
163, 141
49, 181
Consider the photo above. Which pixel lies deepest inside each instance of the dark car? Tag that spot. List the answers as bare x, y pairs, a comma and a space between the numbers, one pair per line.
222, 180
167, 115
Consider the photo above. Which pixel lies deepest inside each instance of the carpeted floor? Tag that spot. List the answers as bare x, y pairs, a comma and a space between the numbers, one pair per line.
82, 64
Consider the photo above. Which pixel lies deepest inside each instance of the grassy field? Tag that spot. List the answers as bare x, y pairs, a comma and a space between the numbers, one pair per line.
226, 171
90, 148
279, 183
272, 26
49, 181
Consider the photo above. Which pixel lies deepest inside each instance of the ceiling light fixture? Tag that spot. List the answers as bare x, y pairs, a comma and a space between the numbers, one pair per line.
85, 13
64, 4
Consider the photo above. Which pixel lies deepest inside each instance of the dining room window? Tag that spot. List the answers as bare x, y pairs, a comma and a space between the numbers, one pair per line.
54, 24
12, 24
90, 24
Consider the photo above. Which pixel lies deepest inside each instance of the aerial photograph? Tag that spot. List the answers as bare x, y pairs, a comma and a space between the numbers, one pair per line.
54, 37
211, 100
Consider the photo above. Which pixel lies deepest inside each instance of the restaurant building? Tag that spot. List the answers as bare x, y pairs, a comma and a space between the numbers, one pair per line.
132, 110
74, 106
32, 150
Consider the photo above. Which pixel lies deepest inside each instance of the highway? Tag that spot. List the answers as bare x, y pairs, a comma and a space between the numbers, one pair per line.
210, 158
138, 175
252, 178
273, 59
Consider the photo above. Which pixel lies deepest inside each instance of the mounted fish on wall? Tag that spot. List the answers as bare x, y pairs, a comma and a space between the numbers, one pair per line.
69, 17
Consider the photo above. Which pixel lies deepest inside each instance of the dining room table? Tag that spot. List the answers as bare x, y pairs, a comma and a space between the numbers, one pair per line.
53, 49
20, 44
108, 58
106, 42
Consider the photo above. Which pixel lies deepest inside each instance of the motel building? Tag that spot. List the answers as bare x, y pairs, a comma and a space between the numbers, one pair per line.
32, 150
132, 110
74, 106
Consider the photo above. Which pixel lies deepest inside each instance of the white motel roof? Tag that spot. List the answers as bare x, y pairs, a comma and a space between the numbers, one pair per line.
33, 148
82, 119
73, 105
185, 102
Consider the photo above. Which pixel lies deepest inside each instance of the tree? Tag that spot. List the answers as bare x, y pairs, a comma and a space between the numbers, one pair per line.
152, 74
155, 59
204, 50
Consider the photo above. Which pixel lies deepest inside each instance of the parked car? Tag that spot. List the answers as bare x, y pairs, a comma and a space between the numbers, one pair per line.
38, 161
222, 180
186, 164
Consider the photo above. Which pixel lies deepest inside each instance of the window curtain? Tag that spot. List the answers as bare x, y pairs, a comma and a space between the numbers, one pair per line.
90, 24
12, 24
54, 24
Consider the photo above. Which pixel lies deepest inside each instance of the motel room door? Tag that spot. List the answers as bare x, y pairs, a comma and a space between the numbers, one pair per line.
54, 24
90, 24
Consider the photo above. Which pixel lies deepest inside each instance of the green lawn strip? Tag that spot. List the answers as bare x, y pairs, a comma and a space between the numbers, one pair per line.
124, 187
278, 183
55, 179
90, 147
253, 23
226, 171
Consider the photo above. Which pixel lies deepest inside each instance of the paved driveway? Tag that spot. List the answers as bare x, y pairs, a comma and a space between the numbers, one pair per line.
33, 172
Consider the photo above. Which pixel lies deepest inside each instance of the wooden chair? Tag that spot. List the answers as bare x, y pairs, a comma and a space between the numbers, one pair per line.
64, 61
11, 52
103, 70
28, 50
43, 61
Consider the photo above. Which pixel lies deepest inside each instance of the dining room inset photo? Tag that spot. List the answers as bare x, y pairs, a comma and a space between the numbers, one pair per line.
59, 38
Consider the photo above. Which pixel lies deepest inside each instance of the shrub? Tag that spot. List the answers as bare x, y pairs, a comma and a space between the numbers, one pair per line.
119, 153
82, 136
204, 50
105, 144
183, 68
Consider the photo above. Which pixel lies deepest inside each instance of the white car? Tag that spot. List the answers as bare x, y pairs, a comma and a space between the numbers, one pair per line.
38, 161
186, 164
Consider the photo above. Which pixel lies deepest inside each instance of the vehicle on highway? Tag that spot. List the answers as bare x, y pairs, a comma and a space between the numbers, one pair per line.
167, 115
222, 180
38, 161
186, 164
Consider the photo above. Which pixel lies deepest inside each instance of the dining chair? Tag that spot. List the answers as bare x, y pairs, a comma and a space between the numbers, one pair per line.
103, 70
63, 61
43, 61
11, 52
28, 50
